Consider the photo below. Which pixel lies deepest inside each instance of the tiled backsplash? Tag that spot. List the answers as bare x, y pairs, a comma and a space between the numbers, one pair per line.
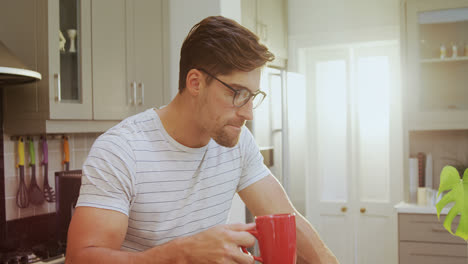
447, 148
79, 144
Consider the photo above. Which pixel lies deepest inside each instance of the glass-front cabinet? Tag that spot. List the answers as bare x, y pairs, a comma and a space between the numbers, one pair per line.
436, 69
70, 59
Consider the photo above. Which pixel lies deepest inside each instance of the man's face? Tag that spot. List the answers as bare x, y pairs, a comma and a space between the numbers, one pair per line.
220, 118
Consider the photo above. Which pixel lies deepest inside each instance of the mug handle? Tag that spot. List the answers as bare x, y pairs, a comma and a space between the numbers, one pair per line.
254, 232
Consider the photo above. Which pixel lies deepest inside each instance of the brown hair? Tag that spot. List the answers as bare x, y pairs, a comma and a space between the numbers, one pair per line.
220, 45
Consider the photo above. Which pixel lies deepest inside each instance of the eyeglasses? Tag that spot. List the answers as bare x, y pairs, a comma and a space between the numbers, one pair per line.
242, 96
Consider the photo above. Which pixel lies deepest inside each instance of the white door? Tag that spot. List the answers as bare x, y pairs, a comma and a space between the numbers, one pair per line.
355, 150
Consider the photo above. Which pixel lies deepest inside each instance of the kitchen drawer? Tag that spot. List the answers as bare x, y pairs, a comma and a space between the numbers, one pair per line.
432, 253
426, 228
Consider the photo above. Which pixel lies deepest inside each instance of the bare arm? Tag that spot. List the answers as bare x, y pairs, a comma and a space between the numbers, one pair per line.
96, 235
268, 197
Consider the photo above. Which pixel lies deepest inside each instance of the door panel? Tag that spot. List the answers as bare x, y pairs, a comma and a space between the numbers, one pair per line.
337, 226
373, 128
373, 243
332, 129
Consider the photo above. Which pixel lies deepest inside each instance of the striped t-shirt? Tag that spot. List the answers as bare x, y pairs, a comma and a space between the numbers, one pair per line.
166, 189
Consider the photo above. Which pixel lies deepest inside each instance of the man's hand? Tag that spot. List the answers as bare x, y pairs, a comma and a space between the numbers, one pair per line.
219, 244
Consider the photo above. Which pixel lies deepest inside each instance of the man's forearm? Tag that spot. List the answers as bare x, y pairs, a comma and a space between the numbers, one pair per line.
166, 253
310, 248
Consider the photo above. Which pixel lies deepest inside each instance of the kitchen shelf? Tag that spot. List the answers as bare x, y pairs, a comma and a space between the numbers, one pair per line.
438, 60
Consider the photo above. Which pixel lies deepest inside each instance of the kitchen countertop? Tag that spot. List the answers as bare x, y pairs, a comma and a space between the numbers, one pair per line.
409, 208
59, 260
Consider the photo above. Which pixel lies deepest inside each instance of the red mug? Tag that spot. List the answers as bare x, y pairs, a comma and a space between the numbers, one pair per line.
276, 235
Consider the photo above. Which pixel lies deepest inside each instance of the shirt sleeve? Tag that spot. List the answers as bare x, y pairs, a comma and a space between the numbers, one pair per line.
108, 179
253, 168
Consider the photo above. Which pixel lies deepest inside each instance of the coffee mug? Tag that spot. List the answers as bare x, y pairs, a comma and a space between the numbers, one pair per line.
276, 235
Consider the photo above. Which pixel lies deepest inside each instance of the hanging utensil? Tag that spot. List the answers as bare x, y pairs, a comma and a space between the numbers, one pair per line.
35, 193
22, 200
49, 194
66, 151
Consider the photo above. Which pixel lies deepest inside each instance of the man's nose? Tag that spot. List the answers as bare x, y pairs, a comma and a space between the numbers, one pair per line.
246, 111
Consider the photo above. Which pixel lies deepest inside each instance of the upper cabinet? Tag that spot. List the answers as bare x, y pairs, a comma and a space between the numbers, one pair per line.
101, 61
436, 53
269, 20
127, 57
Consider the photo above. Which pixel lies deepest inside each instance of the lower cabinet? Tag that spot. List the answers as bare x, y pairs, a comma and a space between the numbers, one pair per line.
423, 239
432, 253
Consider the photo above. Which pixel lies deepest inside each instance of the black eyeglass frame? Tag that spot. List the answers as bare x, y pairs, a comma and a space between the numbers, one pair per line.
237, 91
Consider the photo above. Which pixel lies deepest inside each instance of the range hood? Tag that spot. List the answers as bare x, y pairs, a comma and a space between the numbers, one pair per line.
13, 71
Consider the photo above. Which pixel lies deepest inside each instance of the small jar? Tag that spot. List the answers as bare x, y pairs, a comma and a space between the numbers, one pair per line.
454, 50
443, 51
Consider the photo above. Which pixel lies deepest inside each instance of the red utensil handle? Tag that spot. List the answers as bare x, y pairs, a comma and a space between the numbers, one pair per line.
254, 232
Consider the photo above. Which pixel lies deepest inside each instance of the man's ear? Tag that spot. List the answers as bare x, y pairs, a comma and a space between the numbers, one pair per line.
193, 82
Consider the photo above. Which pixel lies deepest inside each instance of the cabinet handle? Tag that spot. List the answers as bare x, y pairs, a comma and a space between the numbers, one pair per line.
435, 229
142, 93
259, 29
134, 93
265, 33
344, 209
262, 31
132, 100
363, 210
58, 90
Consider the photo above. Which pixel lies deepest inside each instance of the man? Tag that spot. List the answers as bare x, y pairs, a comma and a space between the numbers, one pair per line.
157, 188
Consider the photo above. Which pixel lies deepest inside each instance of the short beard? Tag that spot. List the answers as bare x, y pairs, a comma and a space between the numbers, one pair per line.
223, 139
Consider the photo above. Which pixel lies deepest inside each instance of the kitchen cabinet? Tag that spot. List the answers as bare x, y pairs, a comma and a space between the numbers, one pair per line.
127, 57
423, 239
435, 76
114, 70
269, 20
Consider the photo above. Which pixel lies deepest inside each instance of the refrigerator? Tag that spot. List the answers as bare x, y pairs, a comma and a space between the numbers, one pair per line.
278, 127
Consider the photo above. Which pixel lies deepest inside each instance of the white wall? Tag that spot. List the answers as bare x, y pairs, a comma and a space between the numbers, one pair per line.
309, 17
183, 14
318, 23
231, 9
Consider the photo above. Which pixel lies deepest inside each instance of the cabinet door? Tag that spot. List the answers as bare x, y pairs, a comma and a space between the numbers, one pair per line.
69, 67
249, 14
436, 87
147, 45
272, 25
113, 94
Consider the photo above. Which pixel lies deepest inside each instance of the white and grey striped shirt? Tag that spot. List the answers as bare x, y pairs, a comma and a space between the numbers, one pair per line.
166, 189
